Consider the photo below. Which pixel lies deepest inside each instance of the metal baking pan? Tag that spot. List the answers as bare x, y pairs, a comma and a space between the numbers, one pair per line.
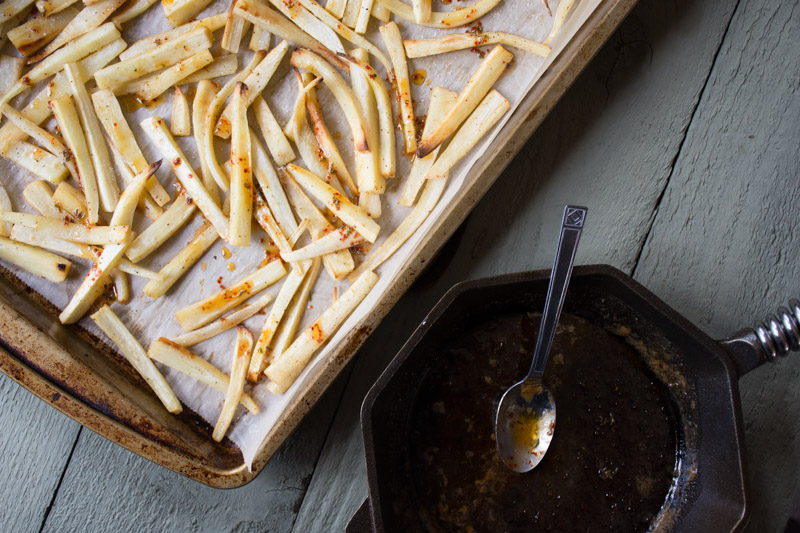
69, 369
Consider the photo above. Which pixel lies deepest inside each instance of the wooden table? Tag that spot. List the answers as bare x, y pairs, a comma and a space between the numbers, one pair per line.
682, 137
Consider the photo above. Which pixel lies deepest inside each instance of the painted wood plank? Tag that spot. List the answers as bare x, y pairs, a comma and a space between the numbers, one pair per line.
609, 144
724, 245
35, 443
107, 488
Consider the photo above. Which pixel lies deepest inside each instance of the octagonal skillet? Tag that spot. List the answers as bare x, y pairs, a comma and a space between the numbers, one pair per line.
710, 491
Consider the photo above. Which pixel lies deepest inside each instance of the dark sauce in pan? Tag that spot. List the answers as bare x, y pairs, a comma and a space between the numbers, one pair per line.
610, 464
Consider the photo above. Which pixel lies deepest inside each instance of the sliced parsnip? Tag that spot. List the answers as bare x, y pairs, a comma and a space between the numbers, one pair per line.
479, 84
364, 12
350, 17
278, 145
235, 28
123, 214
222, 66
370, 179
130, 348
563, 9
68, 230
340, 239
444, 20
146, 203
71, 130
214, 306
442, 101
394, 44
267, 222
90, 17
175, 356
485, 116
135, 270
50, 7
38, 161
180, 11
271, 187
370, 202
32, 237
182, 262
259, 39
132, 10
310, 24
287, 366
422, 10
158, 132
242, 352
29, 37
203, 97
213, 23
291, 319
463, 41
107, 187
180, 123
380, 12
39, 196
224, 323
241, 197
336, 7
12, 69
122, 286
35, 260
10, 8
149, 88
182, 47
339, 206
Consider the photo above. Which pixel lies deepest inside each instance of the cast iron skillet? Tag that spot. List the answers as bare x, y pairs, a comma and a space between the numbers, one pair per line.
710, 493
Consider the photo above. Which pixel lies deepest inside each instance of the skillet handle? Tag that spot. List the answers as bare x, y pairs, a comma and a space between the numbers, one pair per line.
779, 335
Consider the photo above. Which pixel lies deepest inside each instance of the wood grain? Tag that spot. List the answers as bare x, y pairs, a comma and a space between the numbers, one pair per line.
724, 245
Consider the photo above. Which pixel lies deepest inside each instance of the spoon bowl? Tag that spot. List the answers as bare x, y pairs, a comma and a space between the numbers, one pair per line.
526, 422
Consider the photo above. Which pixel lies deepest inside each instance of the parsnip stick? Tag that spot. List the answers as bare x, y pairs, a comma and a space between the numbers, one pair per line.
271, 187
135, 270
394, 44
310, 24
174, 356
181, 11
256, 80
235, 28
32, 237
213, 23
422, 10
50, 7
291, 317
72, 204
442, 101
39, 196
224, 323
146, 203
12, 69
5, 206
380, 12
130, 348
132, 10
212, 307
75, 50
259, 39
35, 260
241, 175
278, 145
287, 366
182, 262
479, 84
444, 20
88, 19
122, 286
474, 128
259, 13
38, 161
563, 9
157, 130
368, 172
107, 187
350, 17
203, 97
302, 227
261, 354
68, 230
180, 123
150, 88
11, 8
267, 222
463, 41
364, 12
336, 7
110, 114
162, 56
339, 206
174, 218
71, 130
123, 214
241, 360
340, 239
222, 66
37, 32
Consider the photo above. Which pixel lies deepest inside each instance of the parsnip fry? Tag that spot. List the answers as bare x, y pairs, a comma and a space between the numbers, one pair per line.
259, 39
563, 9
130, 348
271, 187
341, 239
336, 7
291, 318
174, 218
241, 360
442, 101
235, 28
181, 11
38, 161
106, 180
261, 354
444, 20
180, 123
241, 174
203, 97
380, 12
37, 32
123, 214
174, 356
479, 84
40, 197
256, 80
267, 222
122, 286
72, 204
222, 66
370, 179
463, 41
213, 23
146, 203
212, 307
135, 270
75, 50
394, 44
88, 19
422, 10
132, 10
370, 202
35, 260
68, 230
49, 7
5, 206
157, 130
150, 88
287, 366
474, 128
162, 56
182, 262
12, 70
350, 17
278, 145
364, 12
310, 24
10, 8
71, 130
32, 237
341, 207
224, 323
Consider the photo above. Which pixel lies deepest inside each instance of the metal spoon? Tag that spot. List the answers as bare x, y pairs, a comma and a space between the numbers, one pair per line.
526, 416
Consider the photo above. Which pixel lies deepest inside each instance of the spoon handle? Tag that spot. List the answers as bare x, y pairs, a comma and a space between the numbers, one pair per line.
571, 228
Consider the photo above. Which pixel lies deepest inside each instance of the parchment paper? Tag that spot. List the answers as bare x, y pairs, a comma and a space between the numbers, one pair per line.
149, 319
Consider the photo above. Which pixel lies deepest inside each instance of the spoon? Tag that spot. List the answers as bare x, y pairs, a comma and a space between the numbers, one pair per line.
526, 416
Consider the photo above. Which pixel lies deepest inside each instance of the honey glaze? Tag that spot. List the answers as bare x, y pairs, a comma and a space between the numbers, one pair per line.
613, 456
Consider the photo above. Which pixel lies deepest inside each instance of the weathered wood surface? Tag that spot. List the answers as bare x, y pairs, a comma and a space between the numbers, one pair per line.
724, 249
667, 108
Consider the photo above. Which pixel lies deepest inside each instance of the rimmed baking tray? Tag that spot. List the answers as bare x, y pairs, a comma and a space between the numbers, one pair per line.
69, 369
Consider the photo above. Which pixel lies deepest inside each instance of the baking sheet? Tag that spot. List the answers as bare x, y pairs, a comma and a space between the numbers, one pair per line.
150, 319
